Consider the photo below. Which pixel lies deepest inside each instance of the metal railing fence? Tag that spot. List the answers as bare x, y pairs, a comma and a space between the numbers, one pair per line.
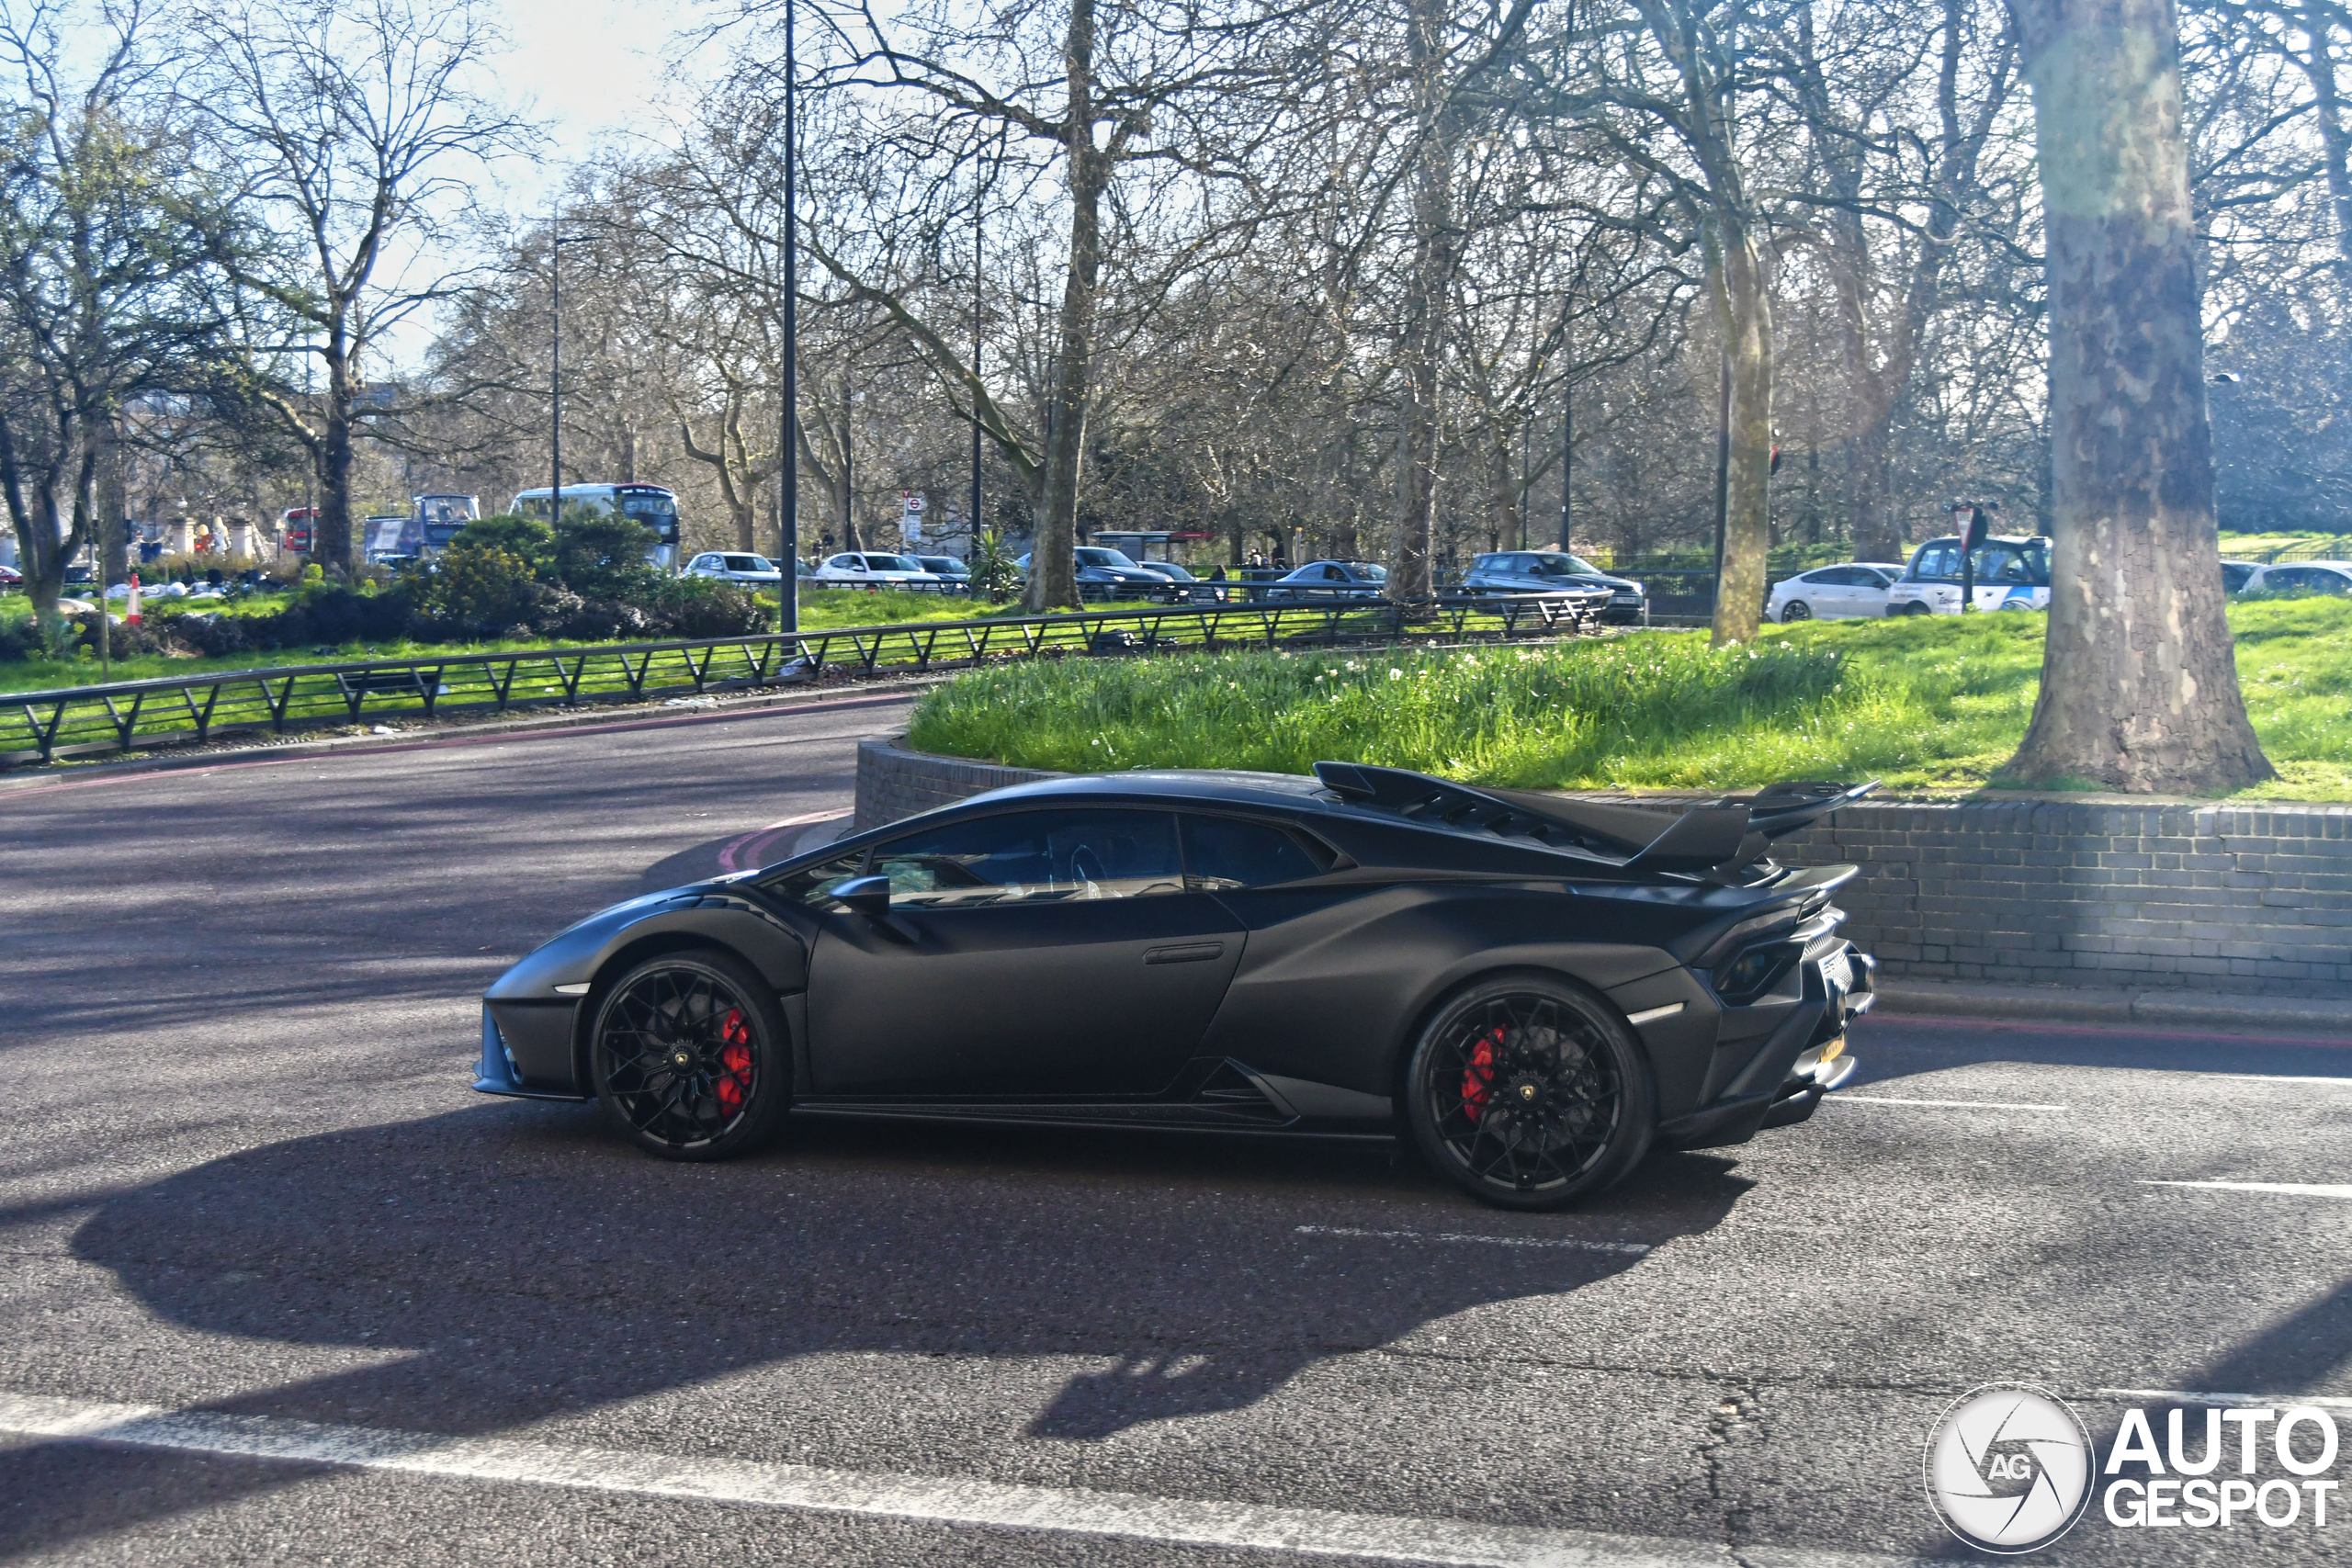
41, 726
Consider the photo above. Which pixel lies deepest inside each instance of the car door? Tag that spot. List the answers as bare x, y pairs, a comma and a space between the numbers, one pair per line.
1027, 956
1867, 594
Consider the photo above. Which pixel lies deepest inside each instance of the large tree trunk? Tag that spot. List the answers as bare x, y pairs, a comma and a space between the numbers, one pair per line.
1743, 315
331, 528
1053, 565
2138, 681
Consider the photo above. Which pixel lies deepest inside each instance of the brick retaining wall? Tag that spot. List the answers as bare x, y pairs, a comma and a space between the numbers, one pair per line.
2034, 892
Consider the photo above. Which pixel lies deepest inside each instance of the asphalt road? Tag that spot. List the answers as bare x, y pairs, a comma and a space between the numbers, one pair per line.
245, 1189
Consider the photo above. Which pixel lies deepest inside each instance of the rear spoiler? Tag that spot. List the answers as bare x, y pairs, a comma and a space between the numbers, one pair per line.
1720, 836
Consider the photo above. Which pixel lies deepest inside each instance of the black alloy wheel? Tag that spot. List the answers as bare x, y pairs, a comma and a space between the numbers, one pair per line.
1530, 1094
688, 1055
1795, 610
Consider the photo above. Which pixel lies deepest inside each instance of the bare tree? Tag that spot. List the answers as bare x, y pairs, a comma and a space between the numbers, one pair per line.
356, 126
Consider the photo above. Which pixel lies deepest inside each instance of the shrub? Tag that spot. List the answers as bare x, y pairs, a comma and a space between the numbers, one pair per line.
603, 556
479, 585
517, 536
704, 607
19, 639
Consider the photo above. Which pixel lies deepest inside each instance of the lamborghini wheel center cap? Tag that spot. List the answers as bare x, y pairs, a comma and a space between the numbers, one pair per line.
681, 1058
1527, 1092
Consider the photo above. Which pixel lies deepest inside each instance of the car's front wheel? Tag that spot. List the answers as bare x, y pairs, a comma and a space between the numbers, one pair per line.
688, 1055
1795, 610
1530, 1094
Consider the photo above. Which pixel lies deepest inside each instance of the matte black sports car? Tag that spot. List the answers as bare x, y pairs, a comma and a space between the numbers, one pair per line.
1535, 990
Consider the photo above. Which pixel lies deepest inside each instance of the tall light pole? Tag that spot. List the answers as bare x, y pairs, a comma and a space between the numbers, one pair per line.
555, 367
979, 207
789, 471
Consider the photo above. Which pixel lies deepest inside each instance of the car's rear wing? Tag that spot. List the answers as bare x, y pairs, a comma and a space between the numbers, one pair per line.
1719, 836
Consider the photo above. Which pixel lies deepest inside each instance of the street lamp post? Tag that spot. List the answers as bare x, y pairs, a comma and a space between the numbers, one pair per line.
979, 192
788, 470
555, 368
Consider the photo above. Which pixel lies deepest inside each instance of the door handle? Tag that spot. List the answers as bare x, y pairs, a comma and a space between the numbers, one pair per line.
1188, 953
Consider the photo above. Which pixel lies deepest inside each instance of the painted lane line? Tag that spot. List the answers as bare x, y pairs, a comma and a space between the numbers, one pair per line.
1945, 1104
1623, 1249
2271, 1077
2292, 1189
968, 1503
2185, 1396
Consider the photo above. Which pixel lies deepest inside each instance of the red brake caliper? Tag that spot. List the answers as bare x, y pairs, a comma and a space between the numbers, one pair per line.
1480, 1076
734, 1083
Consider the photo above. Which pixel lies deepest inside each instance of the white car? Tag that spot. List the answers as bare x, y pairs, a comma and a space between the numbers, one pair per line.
2303, 576
1845, 592
873, 568
732, 567
2012, 573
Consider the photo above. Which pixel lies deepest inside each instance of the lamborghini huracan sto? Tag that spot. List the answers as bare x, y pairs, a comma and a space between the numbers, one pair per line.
1533, 990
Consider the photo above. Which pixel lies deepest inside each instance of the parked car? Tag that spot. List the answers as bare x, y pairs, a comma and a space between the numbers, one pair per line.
1104, 573
873, 568
2236, 574
1536, 990
1182, 587
2012, 573
734, 567
1330, 580
2303, 577
955, 574
10, 577
1843, 593
1548, 571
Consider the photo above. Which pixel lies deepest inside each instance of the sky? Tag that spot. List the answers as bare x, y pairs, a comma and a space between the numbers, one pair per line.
590, 65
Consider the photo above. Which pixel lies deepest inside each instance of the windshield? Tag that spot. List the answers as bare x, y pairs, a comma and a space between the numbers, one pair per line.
891, 563
1095, 555
1554, 564
748, 563
1378, 573
655, 509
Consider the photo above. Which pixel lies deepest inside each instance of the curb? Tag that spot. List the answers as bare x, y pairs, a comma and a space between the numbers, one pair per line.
633, 715
2113, 1006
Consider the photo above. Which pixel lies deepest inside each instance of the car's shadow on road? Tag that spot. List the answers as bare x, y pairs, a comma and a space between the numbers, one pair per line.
531, 1266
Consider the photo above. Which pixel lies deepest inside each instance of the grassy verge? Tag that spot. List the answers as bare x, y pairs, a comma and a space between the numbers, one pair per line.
1924, 703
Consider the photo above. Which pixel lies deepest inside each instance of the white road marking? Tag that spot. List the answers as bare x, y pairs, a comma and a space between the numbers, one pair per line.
1629, 1248
1842, 1098
2292, 1189
968, 1503
2183, 1396
2270, 1077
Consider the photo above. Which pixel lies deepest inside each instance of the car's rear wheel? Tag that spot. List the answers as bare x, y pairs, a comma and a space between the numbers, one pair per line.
688, 1055
1914, 608
1795, 610
1530, 1094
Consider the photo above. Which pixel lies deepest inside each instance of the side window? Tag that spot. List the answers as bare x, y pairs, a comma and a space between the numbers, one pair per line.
1935, 562
813, 885
1223, 852
1033, 857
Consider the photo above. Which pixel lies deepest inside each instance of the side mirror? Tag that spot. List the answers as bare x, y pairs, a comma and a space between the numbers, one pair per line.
869, 896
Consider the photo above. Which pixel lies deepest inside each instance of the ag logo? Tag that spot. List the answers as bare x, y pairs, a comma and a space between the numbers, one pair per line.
2008, 1468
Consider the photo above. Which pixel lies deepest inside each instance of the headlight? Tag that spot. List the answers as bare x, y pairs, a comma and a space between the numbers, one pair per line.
1643, 591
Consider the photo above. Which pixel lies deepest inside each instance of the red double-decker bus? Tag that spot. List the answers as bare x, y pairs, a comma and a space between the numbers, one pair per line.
297, 529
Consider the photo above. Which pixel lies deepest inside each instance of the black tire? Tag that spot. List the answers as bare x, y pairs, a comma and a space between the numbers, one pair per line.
689, 1057
1916, 608
1527, 1093
1795, 610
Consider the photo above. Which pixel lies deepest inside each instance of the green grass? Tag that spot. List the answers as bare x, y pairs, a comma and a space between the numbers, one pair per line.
1933, 704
